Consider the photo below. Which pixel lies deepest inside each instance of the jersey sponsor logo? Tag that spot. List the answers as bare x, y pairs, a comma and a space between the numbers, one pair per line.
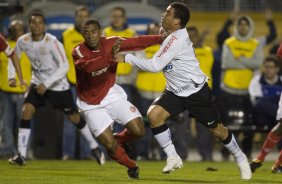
170, 42
133, 109
168, 68
99, 72
180, 89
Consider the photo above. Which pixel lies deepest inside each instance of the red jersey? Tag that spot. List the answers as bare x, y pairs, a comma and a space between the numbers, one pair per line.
279, 51
4, 47
96, 69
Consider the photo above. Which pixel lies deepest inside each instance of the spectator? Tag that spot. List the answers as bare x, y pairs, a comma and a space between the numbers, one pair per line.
12, 96
241, 56
126, 74
265, 90
204, 54
72, 37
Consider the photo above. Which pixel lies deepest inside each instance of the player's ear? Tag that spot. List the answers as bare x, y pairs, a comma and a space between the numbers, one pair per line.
101, 33
176, 21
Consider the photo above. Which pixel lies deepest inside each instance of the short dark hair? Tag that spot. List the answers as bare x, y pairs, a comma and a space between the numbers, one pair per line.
182, 12
120, 9
273, 59
92, 21
82, 8
36, 13
245, 19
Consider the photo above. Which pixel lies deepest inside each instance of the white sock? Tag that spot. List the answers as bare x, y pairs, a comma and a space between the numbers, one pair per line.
235, 150
85, 131
23, 137
164, 139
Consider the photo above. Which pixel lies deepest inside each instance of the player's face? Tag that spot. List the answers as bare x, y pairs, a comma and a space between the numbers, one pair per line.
168, 19
91, 34
117, 18
80, 17
270, 70
243, 27
37, 26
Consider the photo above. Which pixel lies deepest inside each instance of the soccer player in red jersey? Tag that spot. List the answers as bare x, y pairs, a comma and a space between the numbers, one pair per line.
5, 47
100, 100
272, 138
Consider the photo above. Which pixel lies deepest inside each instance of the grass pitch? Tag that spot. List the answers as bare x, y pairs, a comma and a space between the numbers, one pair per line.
88, 172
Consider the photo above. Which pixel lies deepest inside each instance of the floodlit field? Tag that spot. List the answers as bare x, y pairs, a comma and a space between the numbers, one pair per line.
84, 172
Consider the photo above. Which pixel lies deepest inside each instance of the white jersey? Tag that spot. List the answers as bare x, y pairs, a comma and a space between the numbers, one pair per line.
279, 111
48, 59
176, 58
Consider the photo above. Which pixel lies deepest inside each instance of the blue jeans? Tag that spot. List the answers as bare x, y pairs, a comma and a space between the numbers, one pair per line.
11, 115
71, 135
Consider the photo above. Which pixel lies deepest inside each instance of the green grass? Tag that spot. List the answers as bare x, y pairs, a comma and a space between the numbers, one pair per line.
84, 172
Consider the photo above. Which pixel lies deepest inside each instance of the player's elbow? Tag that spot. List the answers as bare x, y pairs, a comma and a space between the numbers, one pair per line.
157, 69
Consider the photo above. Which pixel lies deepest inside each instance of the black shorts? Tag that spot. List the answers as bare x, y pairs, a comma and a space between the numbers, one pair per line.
62, 100
200, 105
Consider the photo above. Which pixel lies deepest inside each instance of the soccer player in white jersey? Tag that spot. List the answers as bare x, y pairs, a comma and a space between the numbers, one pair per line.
49, 65
186, 89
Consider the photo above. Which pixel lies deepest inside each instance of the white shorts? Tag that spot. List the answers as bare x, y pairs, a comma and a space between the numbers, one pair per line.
114, 107
279, 111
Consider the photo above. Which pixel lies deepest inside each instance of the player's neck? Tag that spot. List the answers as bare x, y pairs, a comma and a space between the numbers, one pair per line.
37, 37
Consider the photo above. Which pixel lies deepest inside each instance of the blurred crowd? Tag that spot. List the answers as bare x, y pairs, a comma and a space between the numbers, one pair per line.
245, 80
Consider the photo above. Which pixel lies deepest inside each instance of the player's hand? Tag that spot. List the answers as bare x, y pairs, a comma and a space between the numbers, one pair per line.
116, 46
41, 89
23, 84
12, 83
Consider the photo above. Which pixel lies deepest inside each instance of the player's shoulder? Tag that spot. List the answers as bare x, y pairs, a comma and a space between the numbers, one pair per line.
24, 38
49, 37
78, 49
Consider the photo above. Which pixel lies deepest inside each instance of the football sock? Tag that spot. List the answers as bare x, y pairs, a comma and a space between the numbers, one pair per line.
122, 158
268, 144
85, 131
123, 136
279, 160
232, 146
163, 136
23, 136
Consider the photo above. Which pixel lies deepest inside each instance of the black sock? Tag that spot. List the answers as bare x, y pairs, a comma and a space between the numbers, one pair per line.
81, 124
159, 129
228, 138
25, 123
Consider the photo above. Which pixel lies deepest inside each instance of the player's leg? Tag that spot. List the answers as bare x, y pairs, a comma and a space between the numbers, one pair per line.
271, 140
29, 107
100, 122
277, 167
64, 101
201, 106
165, 106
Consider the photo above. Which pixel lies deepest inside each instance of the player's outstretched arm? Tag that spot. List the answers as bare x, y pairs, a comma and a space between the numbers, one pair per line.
279, 51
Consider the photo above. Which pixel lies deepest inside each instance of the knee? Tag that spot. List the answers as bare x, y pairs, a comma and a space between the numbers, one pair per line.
140, 132
28, 110
75, 118
154, 118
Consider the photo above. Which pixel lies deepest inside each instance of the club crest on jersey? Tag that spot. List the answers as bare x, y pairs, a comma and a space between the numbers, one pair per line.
170, 42
133, 109
168, 68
